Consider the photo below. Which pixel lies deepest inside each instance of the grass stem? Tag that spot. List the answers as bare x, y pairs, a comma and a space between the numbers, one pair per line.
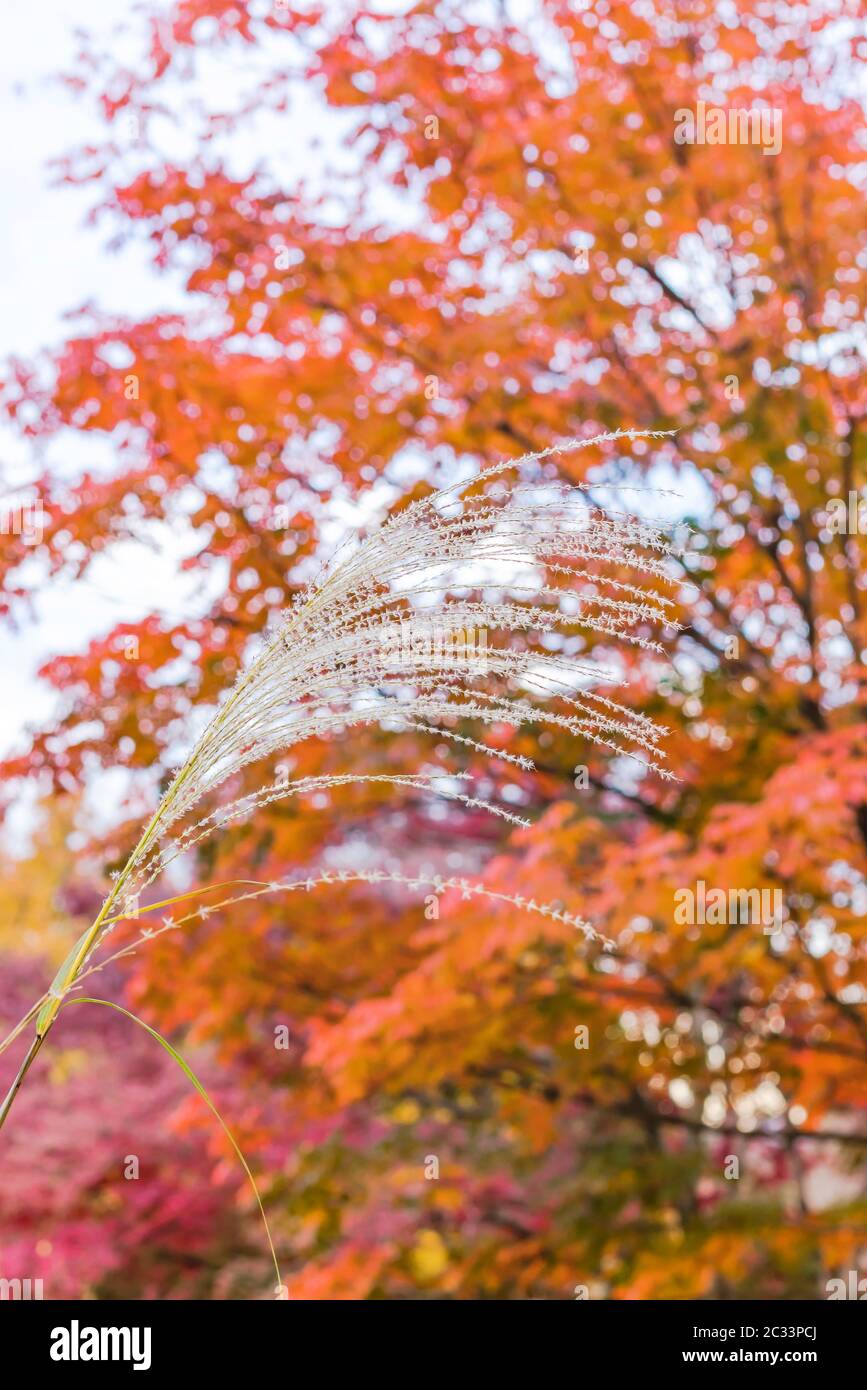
22, 1072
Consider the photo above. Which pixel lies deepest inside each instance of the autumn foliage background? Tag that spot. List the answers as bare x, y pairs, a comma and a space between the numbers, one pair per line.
423, 305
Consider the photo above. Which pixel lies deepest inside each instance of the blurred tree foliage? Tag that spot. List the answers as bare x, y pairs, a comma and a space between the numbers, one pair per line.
520, 251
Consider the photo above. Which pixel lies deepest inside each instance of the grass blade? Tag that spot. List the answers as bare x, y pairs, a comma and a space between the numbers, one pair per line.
191, 1076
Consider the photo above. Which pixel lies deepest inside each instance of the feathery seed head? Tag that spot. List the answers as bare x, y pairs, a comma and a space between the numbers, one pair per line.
431, 619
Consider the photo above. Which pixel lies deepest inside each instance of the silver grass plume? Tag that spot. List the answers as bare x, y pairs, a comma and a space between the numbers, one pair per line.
390, 631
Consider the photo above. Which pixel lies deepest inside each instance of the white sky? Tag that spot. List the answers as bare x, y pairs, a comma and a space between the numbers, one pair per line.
51, 263
54, 262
